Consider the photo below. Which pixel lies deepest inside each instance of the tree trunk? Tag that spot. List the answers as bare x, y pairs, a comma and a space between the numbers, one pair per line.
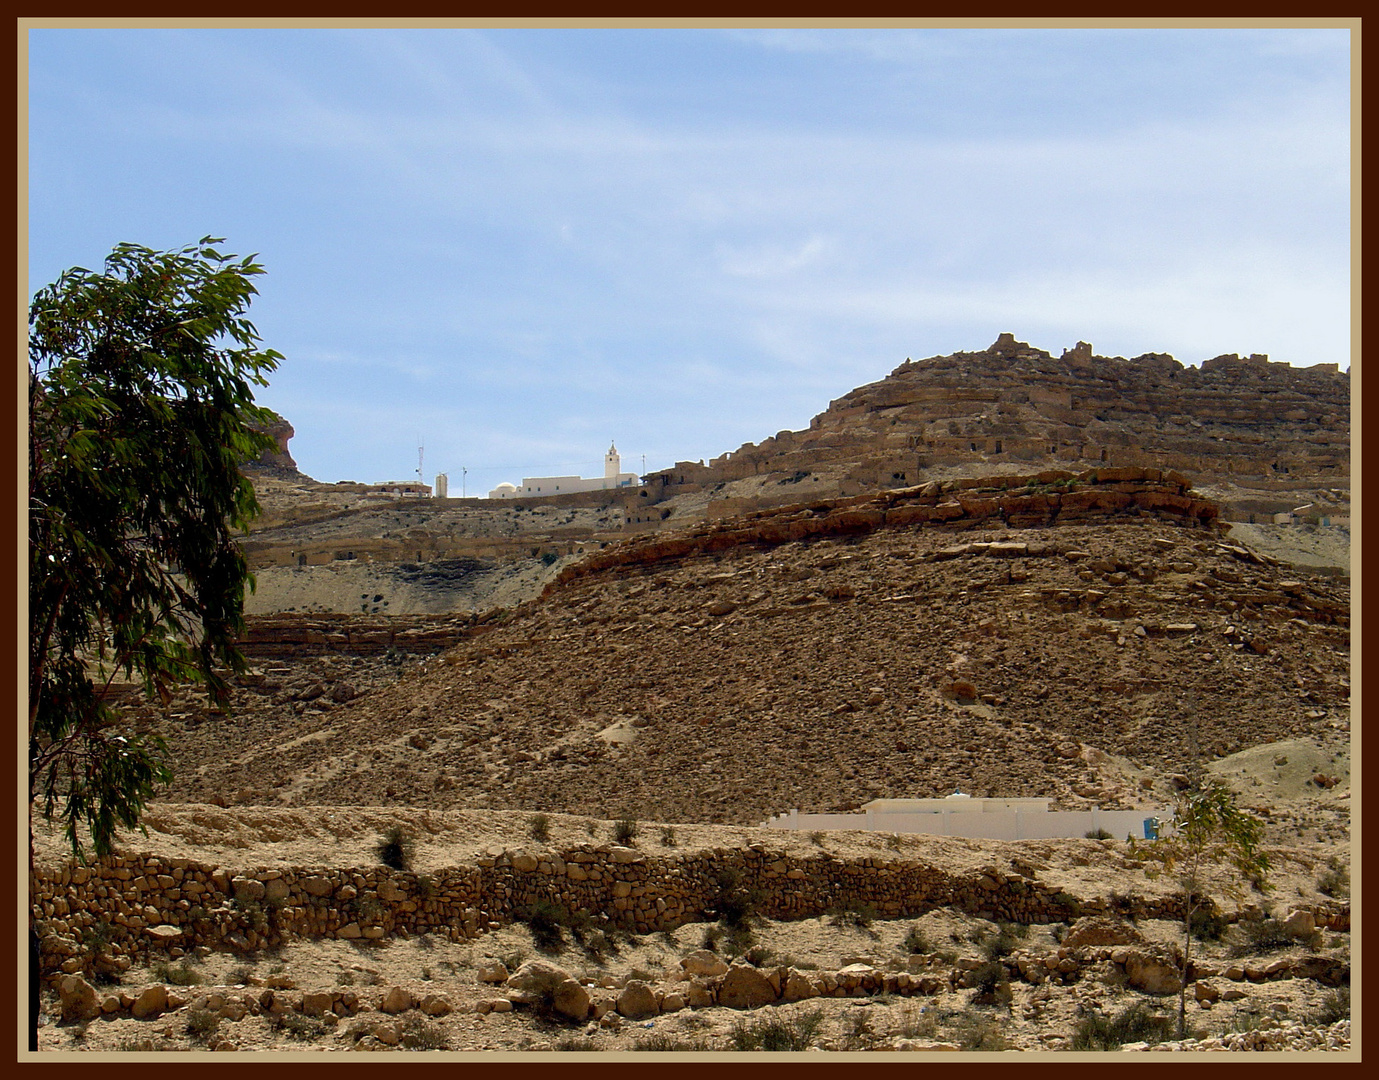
1187, 960
33, 989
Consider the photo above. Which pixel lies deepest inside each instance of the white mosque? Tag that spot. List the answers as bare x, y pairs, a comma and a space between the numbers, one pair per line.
541, 486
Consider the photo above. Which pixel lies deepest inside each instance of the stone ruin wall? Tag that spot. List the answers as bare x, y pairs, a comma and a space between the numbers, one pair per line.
144, 906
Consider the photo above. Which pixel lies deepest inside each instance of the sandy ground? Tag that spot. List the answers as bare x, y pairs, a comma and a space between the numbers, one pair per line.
1311, 546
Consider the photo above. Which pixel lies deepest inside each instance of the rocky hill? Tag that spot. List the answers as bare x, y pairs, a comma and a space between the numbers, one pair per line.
1268, 435
816, 657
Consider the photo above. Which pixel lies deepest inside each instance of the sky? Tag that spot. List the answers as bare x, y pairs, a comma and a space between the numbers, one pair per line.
512, 246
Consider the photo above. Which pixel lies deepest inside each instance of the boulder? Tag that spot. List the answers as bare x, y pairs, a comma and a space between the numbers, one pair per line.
744, 987
1151, 974
798, 987
703, 962
78, 999
436, 1005
1300, 924
1099, 930
493, 973
387, 1033
538, 981
247, 888
314, 1003
637, 1000
698, 993
395, 1001
152, 1002
317, 885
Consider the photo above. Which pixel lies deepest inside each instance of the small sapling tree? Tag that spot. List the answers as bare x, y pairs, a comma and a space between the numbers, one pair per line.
1208, 830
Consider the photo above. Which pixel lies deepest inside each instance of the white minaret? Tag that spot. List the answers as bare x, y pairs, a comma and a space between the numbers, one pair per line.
612, 463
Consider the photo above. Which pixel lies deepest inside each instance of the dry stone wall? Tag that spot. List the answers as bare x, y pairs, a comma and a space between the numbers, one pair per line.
125, 907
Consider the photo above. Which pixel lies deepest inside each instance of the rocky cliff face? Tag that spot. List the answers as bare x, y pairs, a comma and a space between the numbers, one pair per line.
277, 461
1011, 406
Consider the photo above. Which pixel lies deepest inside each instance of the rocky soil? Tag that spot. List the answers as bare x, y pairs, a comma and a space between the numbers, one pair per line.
1092, 668
860, 983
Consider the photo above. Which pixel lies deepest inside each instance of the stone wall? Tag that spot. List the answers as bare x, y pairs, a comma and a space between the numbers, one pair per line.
137, 906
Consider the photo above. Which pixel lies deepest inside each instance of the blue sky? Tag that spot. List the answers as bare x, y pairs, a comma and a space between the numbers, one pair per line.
518, 244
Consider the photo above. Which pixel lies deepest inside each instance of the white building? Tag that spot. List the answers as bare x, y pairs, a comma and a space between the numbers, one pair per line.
541, 486
993, 819
399, 489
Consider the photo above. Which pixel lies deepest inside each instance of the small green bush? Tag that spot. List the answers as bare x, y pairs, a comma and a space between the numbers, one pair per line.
859, 1031
1005, 941
182, 974
979, 1033
817, 838
735, 903
859, 915
301, 1028
1136, 1023
395, 849
1335, 1006
1208, 924
915, 942
1260, 936
546, 921
1334, 881
667, 836
202, 1024
775, 1034
143, 1046
661, 1042
539, 825
419, 1034
991, 980
1098, 834
738, 940
624, 831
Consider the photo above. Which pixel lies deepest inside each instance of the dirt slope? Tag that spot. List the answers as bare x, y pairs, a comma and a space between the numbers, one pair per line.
817, 675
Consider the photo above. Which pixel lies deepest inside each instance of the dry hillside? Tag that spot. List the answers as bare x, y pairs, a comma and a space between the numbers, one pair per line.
1087, 662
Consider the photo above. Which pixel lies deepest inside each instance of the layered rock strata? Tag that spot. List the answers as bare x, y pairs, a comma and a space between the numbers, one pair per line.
1012, 403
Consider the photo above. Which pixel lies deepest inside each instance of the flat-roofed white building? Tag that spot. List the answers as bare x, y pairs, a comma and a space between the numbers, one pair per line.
541, 486
960, 814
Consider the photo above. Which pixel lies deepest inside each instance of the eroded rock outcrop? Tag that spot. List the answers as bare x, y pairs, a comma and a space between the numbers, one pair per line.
1232, 417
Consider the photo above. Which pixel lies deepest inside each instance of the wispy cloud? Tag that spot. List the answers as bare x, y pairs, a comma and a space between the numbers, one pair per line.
540, 236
